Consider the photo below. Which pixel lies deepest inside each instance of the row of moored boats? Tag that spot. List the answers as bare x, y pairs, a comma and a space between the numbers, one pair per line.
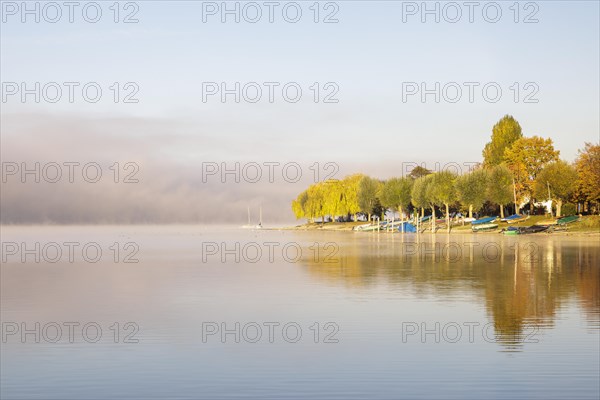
478, 225
489, 224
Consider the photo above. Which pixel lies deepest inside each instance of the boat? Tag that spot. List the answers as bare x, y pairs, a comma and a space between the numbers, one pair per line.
368, 227
511, 217
524, 230
533, 229
249, 225
393, 224
519, 219
484, 227
424, 219
485, 220
360, 227
407, 227
259, 226
567, 220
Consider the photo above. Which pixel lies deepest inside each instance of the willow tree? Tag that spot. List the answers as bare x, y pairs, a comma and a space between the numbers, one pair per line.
499, 189
504, 134
368, 190
558, 180
315, 202
298, 206
442, 192
350, 186
396, 193
471, 189
333, 198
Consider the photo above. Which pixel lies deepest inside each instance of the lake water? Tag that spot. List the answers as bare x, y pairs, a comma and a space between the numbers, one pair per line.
196, 312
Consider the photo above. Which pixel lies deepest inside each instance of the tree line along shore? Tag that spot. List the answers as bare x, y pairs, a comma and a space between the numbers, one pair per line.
517, 175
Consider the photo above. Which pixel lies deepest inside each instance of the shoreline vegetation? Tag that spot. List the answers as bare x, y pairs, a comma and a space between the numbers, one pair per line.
520, 178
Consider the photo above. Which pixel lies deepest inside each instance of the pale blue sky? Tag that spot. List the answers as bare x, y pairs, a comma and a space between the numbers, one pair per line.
368, 54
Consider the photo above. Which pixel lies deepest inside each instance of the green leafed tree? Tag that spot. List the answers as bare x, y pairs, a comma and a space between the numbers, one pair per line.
299, 204
499, 188
559, 181
418, 194
368, 192
471, 189
442, 192
504, 134
333, 195
315, 202
350, 199
396, 194
418, 172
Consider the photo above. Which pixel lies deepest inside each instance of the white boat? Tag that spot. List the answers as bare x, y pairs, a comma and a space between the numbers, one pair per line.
259, 226
249, 225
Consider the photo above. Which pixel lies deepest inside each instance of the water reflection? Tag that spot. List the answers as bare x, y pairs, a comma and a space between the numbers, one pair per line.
522, 282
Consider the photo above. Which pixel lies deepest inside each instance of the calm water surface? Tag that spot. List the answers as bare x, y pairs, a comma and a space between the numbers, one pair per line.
320, 315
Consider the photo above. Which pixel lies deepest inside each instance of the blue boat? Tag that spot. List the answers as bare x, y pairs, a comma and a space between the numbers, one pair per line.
514, 216
408, 227
486, 220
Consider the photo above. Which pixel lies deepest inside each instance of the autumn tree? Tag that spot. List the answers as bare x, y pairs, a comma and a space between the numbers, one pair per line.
558, 178
471, 189
499, 188
526, 158
504, 134
588, 172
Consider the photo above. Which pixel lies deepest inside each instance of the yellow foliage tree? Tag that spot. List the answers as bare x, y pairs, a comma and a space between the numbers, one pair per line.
526, 158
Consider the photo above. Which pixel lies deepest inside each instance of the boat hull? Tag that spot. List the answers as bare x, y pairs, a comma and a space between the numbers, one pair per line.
533, 229
511, 217
483, 221
525, 230
407, 227
484, 227
567, 220
515, 220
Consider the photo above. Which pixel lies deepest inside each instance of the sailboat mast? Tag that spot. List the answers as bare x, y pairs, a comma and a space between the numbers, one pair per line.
248, 215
